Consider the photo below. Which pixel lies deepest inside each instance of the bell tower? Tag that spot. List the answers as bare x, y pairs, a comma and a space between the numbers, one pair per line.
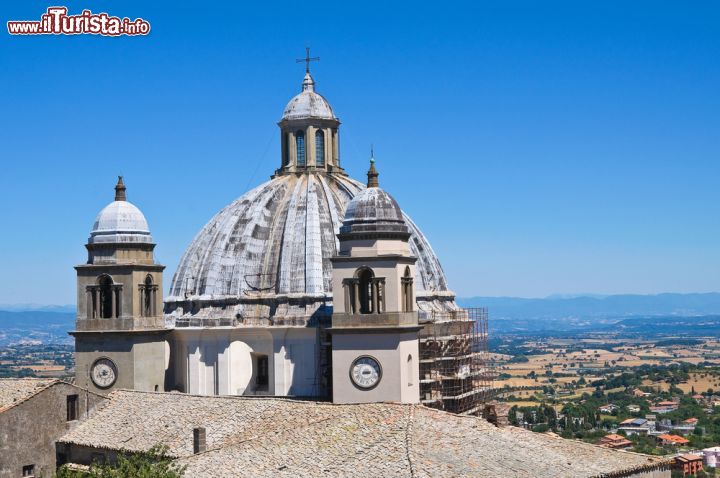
120, 331
375, 321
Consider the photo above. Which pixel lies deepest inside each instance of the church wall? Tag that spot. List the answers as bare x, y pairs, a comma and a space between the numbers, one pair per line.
409, 370
295, 364
390, 350
220, 361
141, 359
116, 347
151, 364
240, 360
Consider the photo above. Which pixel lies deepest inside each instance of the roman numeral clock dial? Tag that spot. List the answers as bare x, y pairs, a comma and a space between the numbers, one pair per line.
365, 372
104, 373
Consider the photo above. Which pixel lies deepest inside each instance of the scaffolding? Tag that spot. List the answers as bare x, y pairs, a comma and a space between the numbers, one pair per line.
455, 375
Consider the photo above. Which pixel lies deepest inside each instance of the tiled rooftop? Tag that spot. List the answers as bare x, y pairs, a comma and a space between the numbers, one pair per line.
15, 390
264, 437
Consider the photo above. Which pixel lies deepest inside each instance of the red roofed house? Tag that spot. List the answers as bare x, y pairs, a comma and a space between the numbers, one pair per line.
689, 464
615, 441
673, 440
664, 407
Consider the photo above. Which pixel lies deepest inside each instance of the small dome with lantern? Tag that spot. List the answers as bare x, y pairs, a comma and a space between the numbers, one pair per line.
373, 210
120, 221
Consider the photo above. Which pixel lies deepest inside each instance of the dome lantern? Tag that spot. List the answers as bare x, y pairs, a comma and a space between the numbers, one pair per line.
309, 130
372, 172
120, 190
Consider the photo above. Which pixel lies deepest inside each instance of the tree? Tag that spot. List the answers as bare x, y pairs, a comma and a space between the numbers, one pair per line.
154, 463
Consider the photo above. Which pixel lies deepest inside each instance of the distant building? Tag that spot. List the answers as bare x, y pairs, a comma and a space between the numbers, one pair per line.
684, 428
635, 426
664, 407
712, 456
615, 441
609, 408
33, 414
640, 394
673, 440
689, 464
633, 408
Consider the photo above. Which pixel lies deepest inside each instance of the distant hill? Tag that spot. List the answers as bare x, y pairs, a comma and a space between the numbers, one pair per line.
36, 307
35, 318
42, 325
597, 307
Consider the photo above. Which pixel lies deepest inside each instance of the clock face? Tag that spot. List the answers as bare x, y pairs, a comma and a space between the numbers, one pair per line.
365, 372
104, 373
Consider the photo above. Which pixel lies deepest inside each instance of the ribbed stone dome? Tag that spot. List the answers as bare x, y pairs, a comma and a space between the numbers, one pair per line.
268, 253
373, 209
120, 221
308, 104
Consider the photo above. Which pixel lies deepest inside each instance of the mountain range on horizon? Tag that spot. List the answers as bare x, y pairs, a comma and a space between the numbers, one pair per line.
597, 306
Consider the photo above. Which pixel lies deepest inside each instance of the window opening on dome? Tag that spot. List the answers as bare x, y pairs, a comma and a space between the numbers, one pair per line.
285, 150
300, 147
320, 148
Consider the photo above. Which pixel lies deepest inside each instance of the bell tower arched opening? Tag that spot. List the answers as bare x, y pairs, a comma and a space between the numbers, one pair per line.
365, 278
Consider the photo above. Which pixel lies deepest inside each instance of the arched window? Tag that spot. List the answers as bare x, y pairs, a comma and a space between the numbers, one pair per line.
410, 371
106, 300
300, 147
320, 148
148, 297
365, 277
407, 291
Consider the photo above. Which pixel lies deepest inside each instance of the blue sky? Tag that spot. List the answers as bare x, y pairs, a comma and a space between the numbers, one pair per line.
543, 147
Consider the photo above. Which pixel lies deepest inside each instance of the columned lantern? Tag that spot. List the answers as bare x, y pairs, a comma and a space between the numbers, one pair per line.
309, 131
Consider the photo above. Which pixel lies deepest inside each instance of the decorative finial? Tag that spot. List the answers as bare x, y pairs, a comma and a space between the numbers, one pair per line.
120, 190
307, 59
372, 172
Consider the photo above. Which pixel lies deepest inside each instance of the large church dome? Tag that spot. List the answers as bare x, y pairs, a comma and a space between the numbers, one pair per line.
267, 254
